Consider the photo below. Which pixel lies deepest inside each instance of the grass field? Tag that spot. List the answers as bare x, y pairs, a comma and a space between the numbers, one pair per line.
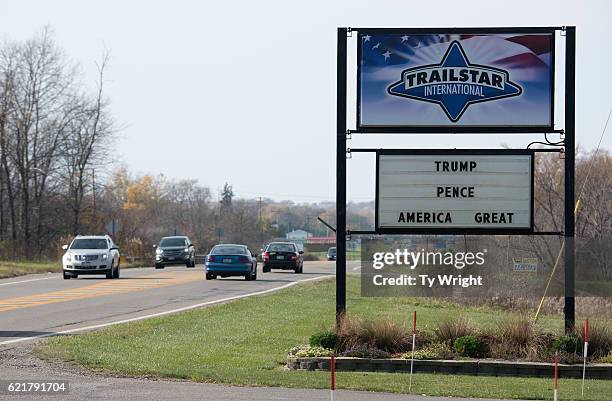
14, 269
245, 343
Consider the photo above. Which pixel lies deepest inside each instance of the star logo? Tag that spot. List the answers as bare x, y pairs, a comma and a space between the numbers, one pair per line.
455, 83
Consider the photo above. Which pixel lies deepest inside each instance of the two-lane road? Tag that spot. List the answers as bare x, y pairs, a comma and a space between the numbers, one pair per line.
41, 305
37, 306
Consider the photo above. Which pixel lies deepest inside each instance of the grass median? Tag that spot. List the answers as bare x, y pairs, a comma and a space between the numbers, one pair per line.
245, 342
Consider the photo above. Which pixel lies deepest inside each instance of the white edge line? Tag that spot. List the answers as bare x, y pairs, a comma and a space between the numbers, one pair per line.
27, 281
184, 308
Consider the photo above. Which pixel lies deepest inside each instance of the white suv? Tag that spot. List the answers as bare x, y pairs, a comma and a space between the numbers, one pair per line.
91, 254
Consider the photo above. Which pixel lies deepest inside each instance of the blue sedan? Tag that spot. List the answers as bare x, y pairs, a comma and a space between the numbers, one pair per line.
231, 260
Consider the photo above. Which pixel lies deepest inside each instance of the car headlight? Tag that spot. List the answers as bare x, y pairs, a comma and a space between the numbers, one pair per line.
159, 251
105, 256
186, 250
68, 257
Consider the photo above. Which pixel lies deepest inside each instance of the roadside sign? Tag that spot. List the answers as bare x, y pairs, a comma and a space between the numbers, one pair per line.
529, 265
458, 191
455, 78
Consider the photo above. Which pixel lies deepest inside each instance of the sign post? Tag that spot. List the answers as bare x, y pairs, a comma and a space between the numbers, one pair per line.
570, 144
341, 177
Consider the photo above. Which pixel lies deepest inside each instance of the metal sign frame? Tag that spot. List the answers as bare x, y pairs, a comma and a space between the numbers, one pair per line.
449, 128
457, 230
569, 141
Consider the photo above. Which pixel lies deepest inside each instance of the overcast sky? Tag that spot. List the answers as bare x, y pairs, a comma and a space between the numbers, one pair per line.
244, 91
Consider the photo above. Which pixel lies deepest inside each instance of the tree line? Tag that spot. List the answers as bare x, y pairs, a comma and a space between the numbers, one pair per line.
58, 178
54, 132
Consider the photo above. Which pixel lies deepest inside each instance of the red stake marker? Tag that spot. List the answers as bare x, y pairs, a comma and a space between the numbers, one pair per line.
332, 369
586, 348
555, 396
413, 344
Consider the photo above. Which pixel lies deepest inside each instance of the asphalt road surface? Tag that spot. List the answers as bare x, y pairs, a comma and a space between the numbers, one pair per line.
38, 306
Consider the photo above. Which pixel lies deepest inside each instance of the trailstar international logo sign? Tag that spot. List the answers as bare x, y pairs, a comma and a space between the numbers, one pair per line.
455, 84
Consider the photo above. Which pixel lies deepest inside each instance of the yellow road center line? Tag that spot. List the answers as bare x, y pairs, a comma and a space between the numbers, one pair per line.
101, 289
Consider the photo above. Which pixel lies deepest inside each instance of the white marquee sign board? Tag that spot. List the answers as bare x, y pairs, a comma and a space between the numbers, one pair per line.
478, 191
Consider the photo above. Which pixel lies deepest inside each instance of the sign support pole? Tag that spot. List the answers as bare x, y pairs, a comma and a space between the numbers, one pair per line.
570, 145
341, 176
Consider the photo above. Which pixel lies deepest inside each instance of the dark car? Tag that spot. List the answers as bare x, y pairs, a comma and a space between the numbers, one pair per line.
282, 255
176, 250
227, 260
331, 253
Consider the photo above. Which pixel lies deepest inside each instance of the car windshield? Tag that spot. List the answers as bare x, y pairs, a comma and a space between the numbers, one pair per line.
332, 251
173, 242
281, 248
89, 243
229, 250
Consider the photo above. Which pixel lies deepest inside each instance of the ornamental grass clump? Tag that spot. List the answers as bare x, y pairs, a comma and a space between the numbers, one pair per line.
382, 334
450, 330
519, 339
600, 339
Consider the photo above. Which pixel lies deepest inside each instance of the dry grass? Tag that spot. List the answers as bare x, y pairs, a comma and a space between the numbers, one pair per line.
449, 330
383, 334
518, 339
600, 339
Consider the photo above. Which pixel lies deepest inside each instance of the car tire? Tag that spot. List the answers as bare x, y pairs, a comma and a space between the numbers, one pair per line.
266, 269
210, 276
116, 273
159, 266
112, 272
298, 270
67, 276
249, 276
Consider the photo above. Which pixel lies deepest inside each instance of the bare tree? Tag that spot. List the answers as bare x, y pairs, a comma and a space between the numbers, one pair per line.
85, 146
